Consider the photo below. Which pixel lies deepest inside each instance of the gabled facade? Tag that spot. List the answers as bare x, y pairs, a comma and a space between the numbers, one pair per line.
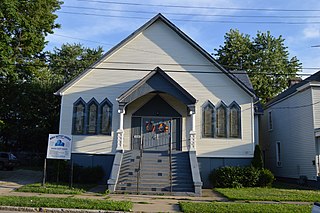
157, 91
290, 136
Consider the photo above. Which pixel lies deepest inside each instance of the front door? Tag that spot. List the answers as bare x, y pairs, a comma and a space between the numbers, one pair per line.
156, 134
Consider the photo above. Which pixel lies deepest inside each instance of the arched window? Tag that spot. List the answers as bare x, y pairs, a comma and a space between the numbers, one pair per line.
221, 121
78, 117
235, 120
208, 121
92, 115
105, 117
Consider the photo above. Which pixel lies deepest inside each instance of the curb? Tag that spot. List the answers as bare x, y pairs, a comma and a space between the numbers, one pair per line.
53, 210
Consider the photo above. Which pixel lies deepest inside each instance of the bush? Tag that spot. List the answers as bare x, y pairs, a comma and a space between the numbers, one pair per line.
257, 161
266, 178
250, 176
237, 177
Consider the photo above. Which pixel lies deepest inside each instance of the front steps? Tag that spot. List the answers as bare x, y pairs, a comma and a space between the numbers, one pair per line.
154, 175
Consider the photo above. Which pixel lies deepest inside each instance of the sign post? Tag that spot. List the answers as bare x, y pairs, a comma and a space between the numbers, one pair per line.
59, 147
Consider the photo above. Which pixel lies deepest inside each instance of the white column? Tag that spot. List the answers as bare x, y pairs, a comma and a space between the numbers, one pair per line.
192, 146
120, 131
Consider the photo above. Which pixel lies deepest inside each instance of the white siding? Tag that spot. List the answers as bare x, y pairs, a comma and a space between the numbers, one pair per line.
293, 128
160, 46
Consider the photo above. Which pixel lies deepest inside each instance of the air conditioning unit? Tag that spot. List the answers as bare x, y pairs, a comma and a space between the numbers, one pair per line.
279, 164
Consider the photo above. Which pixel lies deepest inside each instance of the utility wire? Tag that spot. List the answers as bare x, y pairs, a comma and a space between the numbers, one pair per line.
194, 20
192, 14
166, 70
201, 7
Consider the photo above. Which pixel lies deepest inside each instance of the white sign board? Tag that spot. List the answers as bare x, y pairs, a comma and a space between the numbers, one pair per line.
59, 146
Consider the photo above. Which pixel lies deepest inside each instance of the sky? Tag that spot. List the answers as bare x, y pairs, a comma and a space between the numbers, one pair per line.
105, 23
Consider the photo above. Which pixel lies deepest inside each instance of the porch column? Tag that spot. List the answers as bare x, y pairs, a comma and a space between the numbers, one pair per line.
120, 131
192, 113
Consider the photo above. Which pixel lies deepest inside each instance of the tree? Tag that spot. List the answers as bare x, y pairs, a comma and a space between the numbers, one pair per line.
257, 161
30, 111
24, 25
265, 58
71, 59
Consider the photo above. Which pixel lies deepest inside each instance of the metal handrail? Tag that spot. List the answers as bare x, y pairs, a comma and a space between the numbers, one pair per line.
170, 159
140, 165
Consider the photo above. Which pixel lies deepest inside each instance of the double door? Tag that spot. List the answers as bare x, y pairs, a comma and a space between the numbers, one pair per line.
156, 133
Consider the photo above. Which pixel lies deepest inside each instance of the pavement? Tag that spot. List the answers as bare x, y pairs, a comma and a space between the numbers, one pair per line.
11, 180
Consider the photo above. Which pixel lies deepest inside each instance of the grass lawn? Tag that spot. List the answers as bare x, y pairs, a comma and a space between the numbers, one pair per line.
75, 203
242, 207
51, 188
270, 194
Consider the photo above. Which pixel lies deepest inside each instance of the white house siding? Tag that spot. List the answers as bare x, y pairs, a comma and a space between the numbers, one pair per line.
316, 106
160, 46
293, 127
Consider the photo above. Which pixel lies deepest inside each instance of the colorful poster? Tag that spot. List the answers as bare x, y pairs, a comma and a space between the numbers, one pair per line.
59, 146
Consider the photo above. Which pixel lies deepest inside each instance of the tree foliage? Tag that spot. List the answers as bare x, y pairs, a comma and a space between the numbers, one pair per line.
264, 57
24, 24
29, 109
71, 59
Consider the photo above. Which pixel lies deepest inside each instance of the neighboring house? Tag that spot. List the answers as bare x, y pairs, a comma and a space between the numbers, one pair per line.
291, 131
156, 111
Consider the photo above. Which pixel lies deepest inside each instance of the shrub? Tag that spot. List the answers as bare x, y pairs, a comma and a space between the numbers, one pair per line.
237, 177
257, 161
266, 178
250, 176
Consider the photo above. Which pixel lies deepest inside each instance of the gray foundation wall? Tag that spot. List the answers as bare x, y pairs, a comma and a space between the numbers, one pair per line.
87, 160
207, 165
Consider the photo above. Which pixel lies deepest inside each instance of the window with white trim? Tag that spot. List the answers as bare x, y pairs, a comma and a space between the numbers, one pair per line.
221, 121
270, 121
278, 154
234, 120
106, 117
92, 118
92, 115
78, 117
208, 120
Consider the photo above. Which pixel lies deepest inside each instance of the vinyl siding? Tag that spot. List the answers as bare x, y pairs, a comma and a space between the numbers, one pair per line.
293, 127
159, 46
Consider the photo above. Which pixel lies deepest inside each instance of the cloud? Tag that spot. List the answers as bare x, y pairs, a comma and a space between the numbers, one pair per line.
311, 32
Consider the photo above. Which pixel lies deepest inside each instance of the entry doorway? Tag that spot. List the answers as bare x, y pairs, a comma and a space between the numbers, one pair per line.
156, 133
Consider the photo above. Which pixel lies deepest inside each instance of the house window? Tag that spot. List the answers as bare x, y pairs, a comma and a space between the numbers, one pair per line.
106, 117
208, 121
278, 153
270, 122
222, 121
78, 117
92, 117
234, 120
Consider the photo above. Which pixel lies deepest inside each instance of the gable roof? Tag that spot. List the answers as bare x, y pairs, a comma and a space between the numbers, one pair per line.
313, 78
156, 81
238, 80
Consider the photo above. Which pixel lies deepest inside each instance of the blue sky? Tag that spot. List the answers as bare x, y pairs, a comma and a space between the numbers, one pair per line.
111, 22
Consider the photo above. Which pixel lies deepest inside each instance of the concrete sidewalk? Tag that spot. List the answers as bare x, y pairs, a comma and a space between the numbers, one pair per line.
141, 203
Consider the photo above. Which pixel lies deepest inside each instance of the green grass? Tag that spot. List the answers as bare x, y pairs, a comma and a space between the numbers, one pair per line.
51, 188
270, 194
242, 207
75, 203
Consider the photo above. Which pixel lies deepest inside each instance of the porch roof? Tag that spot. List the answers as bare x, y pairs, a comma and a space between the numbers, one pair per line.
156, 81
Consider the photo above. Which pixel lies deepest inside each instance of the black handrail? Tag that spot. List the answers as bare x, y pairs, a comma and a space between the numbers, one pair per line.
140, 165
170, 158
